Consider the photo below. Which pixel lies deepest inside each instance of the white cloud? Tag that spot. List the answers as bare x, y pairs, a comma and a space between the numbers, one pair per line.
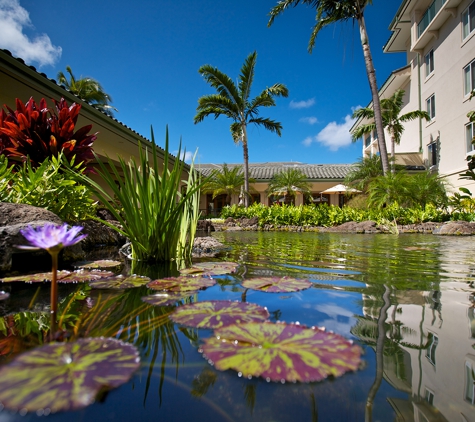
310, 120
13, 20
302, 104
334, 136
186, 156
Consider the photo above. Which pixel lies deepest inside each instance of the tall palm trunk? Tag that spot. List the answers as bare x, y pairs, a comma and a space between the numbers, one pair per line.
246, 165
393, 153
374, 90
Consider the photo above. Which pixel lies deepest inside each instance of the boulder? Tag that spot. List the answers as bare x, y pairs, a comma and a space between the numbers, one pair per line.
206, 247
460, 228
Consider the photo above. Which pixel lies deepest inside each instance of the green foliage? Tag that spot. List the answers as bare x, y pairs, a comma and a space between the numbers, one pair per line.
329, 215
408, 190
288, 183
47, 186
157, 216
462, 202
227, 181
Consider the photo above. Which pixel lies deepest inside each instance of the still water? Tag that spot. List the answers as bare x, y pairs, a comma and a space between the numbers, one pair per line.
407, 300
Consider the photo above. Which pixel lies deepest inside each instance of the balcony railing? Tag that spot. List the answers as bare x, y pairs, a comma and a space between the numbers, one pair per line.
429, 15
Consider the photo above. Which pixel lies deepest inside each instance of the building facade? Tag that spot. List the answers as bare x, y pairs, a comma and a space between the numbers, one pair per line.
438, 38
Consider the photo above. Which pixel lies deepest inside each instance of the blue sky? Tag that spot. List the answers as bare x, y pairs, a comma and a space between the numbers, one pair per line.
146, 54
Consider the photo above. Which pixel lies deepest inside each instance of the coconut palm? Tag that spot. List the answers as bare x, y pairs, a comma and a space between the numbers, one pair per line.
225, 182
392, 120
289, 183
235, 103
331, 11
363, 172
87, 89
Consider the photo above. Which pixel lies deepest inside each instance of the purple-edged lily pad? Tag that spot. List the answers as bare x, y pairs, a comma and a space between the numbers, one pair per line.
182, 284
66, 376
218, 313
277, 284
4, 295
64, 276
120, 282
99, 264
166, 298
210, 268
281, 352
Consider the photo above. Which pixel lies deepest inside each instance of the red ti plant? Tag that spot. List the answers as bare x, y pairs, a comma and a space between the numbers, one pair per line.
37, 132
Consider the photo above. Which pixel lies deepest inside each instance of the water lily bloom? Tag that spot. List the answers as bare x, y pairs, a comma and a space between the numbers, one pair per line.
51, 237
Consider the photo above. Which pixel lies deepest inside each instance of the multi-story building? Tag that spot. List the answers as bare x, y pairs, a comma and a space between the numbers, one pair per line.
438, 38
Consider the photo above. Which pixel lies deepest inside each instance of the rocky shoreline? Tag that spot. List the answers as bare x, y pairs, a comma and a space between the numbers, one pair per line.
449, 228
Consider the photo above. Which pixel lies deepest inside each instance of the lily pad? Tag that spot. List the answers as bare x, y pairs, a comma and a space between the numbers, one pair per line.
218, 313
66, 376
35, 278
281, 352
211, 268
4, 295
64, 276
99, 264
165, 298
181, 284
277, 284
120, 282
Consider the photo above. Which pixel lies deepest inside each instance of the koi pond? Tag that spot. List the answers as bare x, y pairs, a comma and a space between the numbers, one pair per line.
406, 303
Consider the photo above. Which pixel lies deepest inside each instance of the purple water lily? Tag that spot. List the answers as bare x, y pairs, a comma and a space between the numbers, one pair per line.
51, 237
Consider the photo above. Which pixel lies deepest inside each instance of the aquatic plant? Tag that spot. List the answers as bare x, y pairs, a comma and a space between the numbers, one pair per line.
276, 284
158, 210
36, 132
52, 238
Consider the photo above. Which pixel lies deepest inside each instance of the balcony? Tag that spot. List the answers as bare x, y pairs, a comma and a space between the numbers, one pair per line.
432, 20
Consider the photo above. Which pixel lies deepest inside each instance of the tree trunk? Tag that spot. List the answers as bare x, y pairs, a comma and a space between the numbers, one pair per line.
374, 91
246, 165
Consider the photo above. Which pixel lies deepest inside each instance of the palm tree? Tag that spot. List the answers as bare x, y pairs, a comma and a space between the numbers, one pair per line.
225, 182
288, 183
234, 102
363, 172
87, 89
392, 121
331, 11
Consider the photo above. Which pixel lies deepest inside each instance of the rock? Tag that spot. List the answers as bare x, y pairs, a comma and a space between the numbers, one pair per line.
15, 217
205, 225
206, 247
460, 228
105, 214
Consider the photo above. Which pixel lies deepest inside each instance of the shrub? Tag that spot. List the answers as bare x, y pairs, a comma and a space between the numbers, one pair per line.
38, 133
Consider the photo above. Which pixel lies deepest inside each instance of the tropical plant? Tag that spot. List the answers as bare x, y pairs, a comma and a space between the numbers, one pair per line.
36, 132
392, 120
227, 181
289, 183
5, 177
235, 103
88, 89
159, 210
327, 13
407, 190
363, 172
49, 187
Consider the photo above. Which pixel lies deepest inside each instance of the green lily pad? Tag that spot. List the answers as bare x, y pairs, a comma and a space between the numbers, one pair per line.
120, 282
35, 278
218, 313
63, 276
4, 295
210, 268
99, 264
277, 284
166, 298
66, 376
281, 352
182, 284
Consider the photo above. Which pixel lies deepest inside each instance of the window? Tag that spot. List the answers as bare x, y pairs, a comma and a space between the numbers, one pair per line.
469, 78
432, 154
367, 140
429, 396
430, 102
468, 20
429, 15
429, 60
430, 351
469, 134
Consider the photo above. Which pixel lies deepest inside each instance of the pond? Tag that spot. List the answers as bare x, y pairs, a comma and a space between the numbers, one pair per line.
418, 366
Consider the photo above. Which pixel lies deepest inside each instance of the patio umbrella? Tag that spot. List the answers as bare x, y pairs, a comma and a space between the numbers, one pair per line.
341, 189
